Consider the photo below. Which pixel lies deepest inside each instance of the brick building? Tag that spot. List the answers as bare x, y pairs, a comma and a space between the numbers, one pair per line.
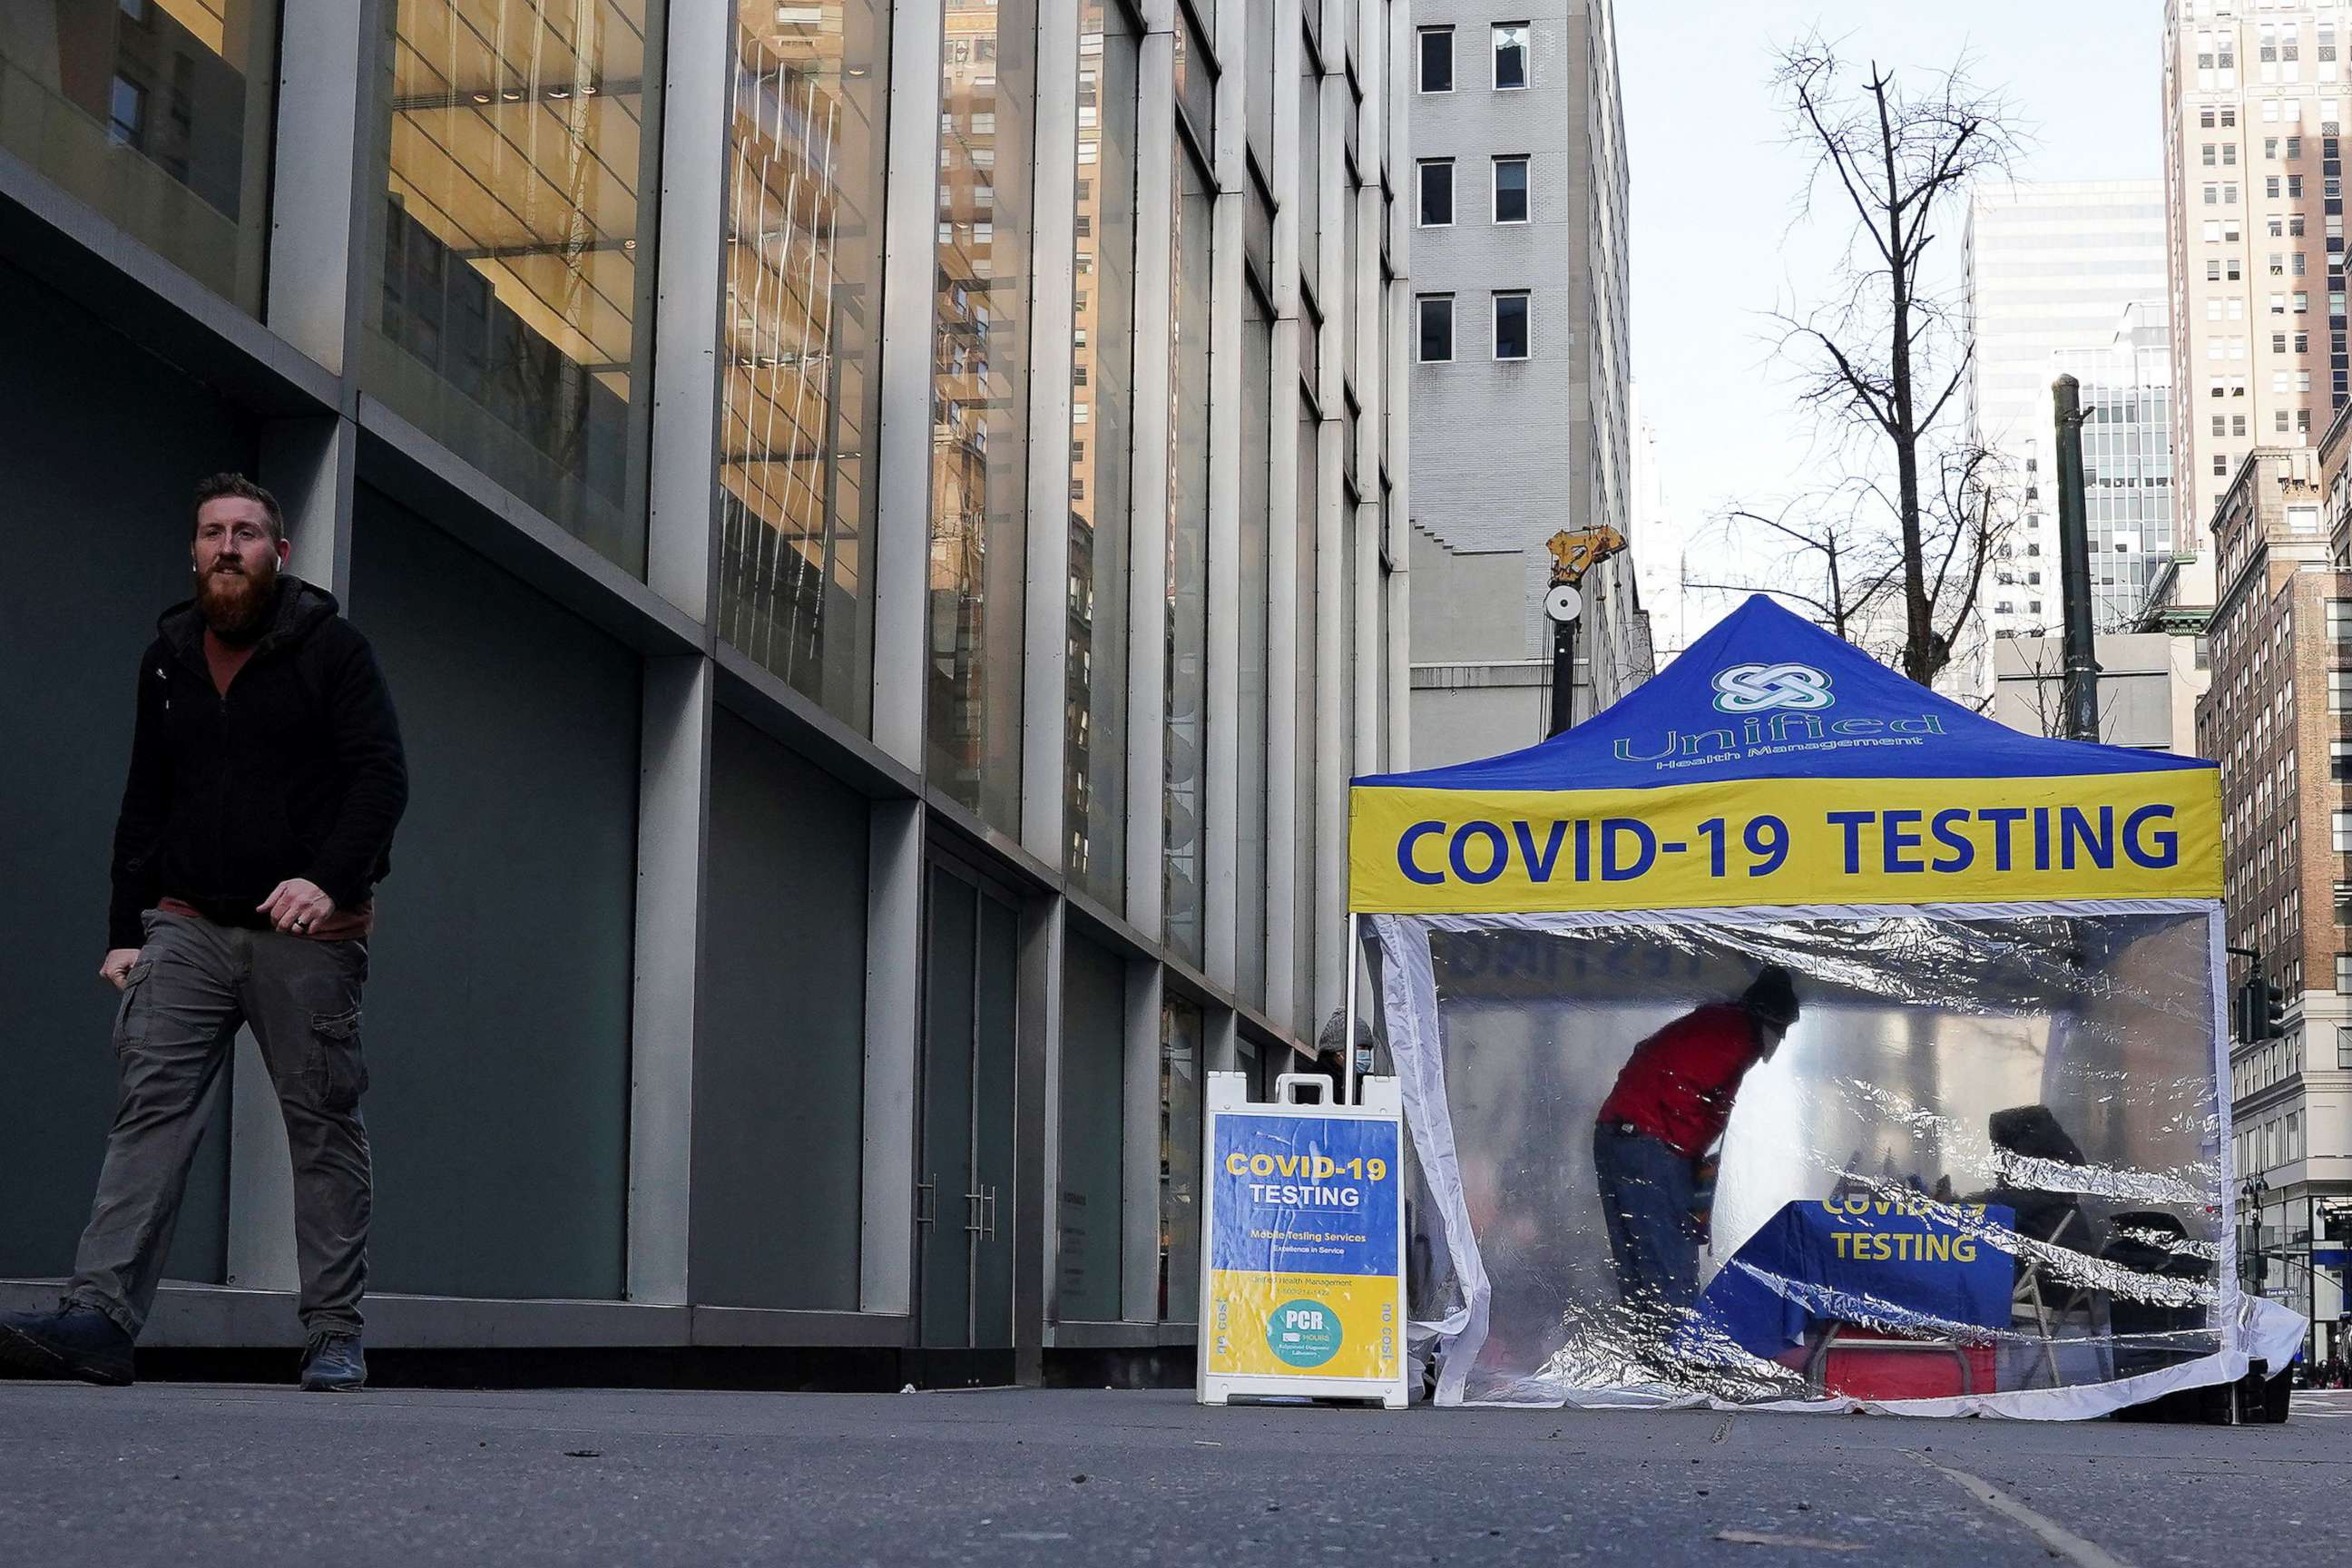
2271, 720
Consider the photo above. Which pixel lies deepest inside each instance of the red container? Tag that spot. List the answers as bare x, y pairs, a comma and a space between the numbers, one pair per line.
1862, 1364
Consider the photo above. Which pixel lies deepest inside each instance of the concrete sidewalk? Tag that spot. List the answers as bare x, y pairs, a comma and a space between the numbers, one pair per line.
218, 1474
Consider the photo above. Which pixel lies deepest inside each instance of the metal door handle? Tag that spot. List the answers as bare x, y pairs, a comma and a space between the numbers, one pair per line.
929, 1216
988, 1214
974, 1203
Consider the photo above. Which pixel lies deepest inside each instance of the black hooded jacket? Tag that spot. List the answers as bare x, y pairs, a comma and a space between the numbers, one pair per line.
297, 772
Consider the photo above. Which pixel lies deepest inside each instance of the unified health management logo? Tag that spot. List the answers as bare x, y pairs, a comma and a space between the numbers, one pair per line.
1762, 688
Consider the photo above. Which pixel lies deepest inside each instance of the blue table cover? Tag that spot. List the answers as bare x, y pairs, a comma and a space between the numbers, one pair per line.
1893, 1262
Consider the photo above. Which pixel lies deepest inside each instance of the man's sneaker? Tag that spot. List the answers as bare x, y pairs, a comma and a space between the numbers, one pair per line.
73, 1342
334, 1363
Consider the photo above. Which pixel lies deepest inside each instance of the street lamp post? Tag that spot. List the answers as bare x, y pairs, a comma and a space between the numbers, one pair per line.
2251, 1190
2082, 687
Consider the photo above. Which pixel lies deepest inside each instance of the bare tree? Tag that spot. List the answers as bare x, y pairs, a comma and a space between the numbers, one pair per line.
1885, 354
1827, 559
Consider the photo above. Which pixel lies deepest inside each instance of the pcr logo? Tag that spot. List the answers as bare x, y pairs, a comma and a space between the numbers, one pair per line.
1760, 687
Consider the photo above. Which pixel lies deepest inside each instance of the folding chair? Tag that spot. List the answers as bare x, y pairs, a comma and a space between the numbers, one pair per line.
2040, 1296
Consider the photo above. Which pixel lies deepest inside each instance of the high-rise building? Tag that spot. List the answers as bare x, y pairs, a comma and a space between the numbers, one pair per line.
2274, 721
2067, 277
1521, 416
2125, 390
879, 709
2253, 108
2254, 98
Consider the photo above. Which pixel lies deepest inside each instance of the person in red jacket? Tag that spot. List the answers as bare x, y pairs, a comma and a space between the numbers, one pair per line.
1671, 1102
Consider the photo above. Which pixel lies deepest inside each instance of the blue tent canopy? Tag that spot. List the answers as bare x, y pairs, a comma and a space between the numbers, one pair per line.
1768, 695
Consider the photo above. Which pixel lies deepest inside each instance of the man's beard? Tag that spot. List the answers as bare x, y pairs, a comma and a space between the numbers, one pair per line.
235, 605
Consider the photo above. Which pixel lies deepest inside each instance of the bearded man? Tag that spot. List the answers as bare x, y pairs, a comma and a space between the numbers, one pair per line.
267, 777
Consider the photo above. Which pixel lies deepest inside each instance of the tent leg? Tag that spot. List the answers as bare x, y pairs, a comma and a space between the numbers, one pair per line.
1348, 1012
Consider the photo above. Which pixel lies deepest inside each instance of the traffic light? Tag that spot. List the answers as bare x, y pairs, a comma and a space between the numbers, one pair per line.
2262, 1010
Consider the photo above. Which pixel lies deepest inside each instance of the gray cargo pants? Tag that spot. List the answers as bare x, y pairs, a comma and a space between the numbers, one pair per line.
194, 983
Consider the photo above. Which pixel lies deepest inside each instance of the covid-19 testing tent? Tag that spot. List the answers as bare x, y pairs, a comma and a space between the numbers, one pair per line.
1985, 1169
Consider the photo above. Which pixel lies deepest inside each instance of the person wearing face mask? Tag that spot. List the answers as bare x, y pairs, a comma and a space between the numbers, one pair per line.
1671, 1103
267, 776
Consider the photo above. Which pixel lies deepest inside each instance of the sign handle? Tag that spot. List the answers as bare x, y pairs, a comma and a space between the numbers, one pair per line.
1286, 1087
1348, 1029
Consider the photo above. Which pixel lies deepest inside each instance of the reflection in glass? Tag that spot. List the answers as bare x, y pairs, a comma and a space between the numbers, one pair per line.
1310, 163
798, 398
1196, 84
1180, 1037
1260, 17
1101, 482
156, 112
1188, 557
1351, 193
517, 148
1257, 409
980, 404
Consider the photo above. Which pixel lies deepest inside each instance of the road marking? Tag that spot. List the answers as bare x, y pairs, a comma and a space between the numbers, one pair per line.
2061, 1541
1766, 1538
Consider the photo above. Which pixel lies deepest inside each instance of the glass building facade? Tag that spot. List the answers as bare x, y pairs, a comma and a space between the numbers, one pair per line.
519, 149
800, 328
2127, 468
874, 519
157, 113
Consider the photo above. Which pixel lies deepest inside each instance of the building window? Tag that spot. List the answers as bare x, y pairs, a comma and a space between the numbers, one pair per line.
126, 112
1436, 329
1511, 326
510, 314
1437, 60
1436, 193
1510, 190
159, 115
1510, 54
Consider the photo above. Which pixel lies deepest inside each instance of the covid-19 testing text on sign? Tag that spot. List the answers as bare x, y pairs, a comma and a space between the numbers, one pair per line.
1303, 1278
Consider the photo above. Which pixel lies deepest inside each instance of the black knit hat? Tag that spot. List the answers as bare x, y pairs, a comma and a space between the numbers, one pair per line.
1771, 997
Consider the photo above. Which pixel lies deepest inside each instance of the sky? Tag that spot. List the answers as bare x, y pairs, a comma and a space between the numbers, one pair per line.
1715, 187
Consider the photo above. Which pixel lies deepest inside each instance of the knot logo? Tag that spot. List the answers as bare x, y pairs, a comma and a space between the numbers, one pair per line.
1761, 688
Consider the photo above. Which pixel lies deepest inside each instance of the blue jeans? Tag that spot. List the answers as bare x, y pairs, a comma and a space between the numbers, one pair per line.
1645, 1198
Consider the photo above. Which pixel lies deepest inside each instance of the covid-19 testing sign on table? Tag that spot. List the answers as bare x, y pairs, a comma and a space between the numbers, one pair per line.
1304, 1281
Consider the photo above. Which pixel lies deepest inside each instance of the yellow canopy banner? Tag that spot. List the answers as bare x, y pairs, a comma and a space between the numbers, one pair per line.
1778, 842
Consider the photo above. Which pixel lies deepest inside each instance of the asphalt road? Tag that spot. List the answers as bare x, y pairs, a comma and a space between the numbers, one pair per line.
184, 1474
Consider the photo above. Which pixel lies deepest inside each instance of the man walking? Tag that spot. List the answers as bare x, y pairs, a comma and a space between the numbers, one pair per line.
1672, 1100
267, 777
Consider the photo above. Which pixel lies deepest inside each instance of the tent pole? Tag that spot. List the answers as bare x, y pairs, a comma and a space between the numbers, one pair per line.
1348, 1013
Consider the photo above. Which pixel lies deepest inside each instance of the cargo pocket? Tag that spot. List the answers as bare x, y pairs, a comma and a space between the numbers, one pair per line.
131, 1013
343, 1075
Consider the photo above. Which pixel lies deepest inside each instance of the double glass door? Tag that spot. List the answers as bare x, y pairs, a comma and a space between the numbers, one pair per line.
963, 1191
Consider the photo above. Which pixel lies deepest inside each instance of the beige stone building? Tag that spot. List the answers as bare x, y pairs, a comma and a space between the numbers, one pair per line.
2254, 103
2273, 719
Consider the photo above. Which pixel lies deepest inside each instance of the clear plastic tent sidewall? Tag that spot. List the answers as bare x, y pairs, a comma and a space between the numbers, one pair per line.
1985, 1169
